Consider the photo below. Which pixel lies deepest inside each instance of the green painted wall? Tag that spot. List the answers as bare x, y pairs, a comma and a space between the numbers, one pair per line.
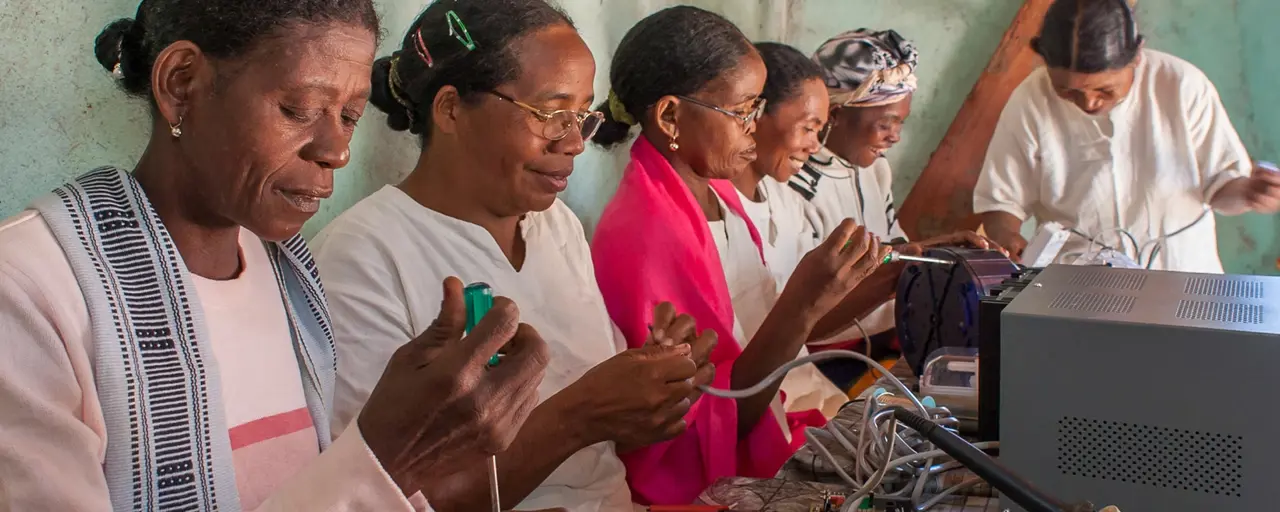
60, 114
1251, 243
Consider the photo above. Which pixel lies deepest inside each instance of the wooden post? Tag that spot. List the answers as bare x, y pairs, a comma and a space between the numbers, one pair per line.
941, 201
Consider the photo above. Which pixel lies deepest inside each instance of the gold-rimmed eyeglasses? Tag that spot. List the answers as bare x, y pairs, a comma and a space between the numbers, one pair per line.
556, 124
757, 109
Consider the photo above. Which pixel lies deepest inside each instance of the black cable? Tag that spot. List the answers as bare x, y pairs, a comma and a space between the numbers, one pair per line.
1016, 489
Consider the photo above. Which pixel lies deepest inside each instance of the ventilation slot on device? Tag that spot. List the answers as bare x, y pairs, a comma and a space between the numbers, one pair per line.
1220, 311
1110, 279
1171, 458
1238, 288
1093, 302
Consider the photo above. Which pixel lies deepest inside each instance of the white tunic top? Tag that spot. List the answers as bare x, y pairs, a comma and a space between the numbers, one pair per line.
1147, 166
383, 262
754, 292
839, 190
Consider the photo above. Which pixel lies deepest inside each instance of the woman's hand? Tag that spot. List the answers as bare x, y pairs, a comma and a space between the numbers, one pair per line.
1262, 194
438, 405
670, 329
958, 239
1003, 228
829, 272
636, 398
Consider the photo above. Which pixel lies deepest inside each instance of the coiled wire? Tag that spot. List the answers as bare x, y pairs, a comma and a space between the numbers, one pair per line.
890, 460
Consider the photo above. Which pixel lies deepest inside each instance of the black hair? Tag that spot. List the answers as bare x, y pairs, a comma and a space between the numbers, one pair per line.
788, 70
675, 51
1089, 36
221, 28
430, 57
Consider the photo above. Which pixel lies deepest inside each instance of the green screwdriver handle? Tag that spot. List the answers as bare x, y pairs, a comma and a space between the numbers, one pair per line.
479, 299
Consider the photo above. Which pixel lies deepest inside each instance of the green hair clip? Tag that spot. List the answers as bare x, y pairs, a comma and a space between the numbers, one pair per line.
458, 30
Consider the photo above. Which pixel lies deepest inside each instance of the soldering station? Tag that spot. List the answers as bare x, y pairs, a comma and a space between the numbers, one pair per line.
1068, 388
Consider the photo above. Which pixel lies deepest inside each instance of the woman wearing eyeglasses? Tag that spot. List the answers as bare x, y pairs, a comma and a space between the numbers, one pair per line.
499, 94
676, 231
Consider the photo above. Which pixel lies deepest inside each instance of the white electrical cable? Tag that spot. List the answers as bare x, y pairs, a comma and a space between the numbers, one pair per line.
888, 459
825, 355
1142, 257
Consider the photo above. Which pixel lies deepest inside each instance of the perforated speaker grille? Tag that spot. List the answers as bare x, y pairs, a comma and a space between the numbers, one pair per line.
1093, 302
1224, 287
1143, 454
1109, 279
1220, 311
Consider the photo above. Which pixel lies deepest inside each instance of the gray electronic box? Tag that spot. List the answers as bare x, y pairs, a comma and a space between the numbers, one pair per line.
1143, 389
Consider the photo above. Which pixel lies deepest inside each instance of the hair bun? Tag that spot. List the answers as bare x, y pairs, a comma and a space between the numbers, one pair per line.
612, 131
382, 96
110, 42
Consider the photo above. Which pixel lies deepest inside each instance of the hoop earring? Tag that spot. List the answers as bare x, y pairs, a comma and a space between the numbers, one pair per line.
176, 129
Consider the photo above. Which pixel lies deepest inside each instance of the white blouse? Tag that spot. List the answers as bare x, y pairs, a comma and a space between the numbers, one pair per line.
1148, 166
383, 262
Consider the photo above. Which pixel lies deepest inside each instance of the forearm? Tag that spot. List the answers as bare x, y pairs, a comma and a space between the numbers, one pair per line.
1230, 199
549, 437
868, 295
1001, 226
778, 341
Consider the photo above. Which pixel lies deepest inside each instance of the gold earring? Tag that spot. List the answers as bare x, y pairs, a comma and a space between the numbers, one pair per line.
673, 145
176, 129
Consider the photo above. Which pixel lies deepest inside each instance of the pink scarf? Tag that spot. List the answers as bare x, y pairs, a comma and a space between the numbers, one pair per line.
653, 245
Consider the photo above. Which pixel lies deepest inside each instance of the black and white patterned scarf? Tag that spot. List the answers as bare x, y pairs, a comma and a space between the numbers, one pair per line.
868, 69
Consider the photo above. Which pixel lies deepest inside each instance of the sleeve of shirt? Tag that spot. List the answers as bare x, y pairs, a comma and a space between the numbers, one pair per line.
815, 228
1220, 155
50, 457
884, 179
1006, 183
347, 476
370, 316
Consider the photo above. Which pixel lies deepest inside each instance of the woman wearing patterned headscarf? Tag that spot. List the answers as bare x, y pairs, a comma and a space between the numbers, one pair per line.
870, 77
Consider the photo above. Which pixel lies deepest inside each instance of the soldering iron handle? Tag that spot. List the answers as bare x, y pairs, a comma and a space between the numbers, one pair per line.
1016, 489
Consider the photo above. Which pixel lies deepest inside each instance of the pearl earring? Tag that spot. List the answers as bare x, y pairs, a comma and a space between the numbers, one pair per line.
176, 129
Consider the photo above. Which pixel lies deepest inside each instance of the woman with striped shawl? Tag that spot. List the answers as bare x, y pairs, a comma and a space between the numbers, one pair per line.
167, 344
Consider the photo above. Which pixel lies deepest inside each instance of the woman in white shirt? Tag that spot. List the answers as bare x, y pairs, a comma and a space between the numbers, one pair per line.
1129, 147
869, 78
500, 129
786, 136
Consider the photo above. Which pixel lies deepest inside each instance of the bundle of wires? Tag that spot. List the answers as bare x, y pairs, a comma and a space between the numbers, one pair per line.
1146, 253
889, 460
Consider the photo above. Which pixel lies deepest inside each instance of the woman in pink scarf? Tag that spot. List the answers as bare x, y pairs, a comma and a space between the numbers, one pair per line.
692, 82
